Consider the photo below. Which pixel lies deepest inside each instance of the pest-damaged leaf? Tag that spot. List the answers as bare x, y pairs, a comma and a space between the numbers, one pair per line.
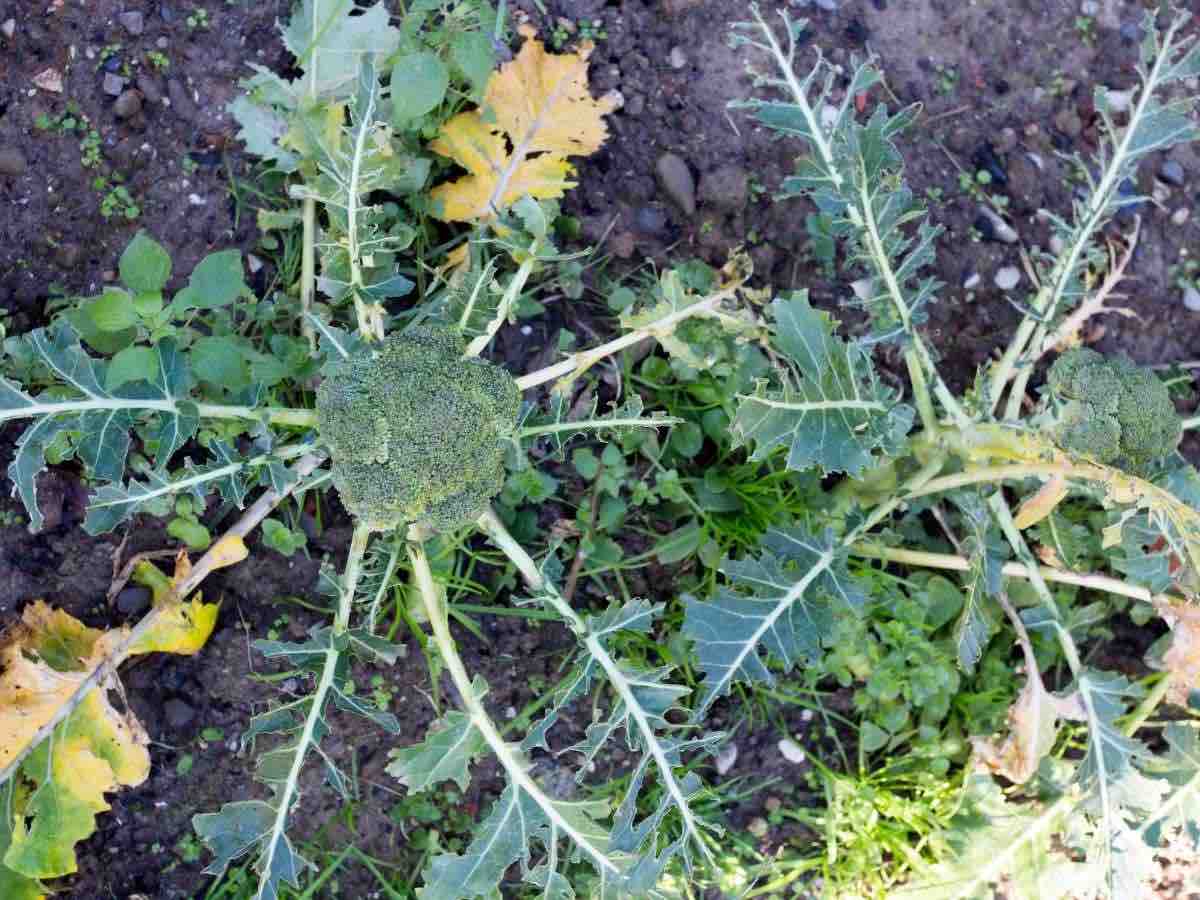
1032, 730
540, 106
831, 410
60, 785
451, 746
784, 601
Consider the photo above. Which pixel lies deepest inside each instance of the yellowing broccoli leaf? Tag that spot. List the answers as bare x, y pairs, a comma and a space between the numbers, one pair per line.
538, 105
60, 786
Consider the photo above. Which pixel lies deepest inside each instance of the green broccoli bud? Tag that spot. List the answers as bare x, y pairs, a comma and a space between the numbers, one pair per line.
1111, 410
416, 431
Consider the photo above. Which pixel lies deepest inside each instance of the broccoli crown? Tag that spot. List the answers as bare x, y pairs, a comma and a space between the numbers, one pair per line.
1111, 410
417, 431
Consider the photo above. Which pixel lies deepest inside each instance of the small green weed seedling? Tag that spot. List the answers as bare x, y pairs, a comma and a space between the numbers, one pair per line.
954, 560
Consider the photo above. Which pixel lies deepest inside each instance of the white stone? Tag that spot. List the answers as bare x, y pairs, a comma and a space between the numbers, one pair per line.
1008, 278
677, 58
1057, 245
1119, 101
972, 281
1180, 216
792, 751
1191, 298
864, 288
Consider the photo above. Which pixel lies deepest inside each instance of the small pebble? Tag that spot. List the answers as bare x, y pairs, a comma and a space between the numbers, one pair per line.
758, 827
1089, 7
792, 751
1008, 278
726, 758
1180, 216
195, 200
828, 5
133, 22
1191, 298
12, 162
1057, 244
9, 28
677, 59
675, 178
829, 116
1172, 173
1118, 101
128, 105
650, 220
972, 281
113, 84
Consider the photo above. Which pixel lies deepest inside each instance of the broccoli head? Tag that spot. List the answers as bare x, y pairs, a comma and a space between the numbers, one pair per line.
1112, 410
416, 431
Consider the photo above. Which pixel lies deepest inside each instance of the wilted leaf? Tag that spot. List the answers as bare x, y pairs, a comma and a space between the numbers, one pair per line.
1032, 730
1040, 504
97, 749
540, 105
1182, 659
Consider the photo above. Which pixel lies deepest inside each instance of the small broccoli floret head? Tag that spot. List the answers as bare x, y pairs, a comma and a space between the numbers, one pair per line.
1111, 410
416, 431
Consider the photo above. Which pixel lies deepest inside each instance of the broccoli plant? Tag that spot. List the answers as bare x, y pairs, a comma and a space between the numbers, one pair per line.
1035, 504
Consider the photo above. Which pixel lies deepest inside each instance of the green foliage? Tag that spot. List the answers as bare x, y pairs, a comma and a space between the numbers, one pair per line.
1112, 410
417, 432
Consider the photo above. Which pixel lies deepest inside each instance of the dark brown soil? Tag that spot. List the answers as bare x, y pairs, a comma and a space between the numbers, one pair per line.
999, 81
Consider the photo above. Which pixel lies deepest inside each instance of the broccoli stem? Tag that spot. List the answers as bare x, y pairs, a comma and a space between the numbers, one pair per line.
953, 563
308, 271
577, 363
507, 754
301, 418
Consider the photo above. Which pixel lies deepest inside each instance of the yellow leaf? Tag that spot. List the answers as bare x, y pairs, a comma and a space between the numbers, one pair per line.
540, 106
1041, 504
60, 785
182, 628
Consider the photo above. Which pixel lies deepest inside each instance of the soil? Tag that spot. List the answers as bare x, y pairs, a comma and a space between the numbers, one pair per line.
1005, 87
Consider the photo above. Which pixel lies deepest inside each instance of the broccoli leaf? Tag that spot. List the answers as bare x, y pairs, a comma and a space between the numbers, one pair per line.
329, 42
446, 754
986, 551
538, 104
784, 601
99, 420
831, 410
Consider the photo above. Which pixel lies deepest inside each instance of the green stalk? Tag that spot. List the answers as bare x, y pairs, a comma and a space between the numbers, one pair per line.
920, 388
308, 270
341, 623
300, 418
490, 523
507, 754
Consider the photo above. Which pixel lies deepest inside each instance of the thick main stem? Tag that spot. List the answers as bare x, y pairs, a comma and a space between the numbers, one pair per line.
316, 710
435, 610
